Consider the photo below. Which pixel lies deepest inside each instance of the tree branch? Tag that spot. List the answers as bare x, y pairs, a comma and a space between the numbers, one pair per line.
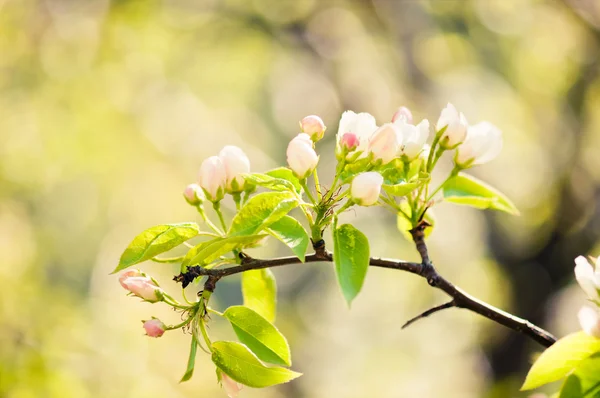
460, 299
430, 311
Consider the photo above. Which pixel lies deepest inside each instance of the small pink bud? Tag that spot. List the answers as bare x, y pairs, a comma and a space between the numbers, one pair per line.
301, 156
193, 194
129, 274
154, 327
313, 126
232, 388
212, 178
384, 143
403, 112
141, 286
349, 141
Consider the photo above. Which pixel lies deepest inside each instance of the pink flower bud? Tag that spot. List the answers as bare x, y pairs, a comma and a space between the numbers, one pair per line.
236, 163
384, 143
483, 143
232, 388
366, 187
404, 113
213, 178
129, 274
193, 194
301, 156
349, 141
456, 127
154, 327
141, 286
589, 319
313, 126
362, 124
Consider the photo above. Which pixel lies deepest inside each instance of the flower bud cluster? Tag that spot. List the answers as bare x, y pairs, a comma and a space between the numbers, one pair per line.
219, 175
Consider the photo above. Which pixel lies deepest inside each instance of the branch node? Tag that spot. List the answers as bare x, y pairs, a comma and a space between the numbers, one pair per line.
430, 311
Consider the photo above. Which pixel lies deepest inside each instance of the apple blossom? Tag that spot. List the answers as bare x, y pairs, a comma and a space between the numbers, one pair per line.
366, 187
456, 127
301, 155
483, 143
588, 278
130, 274
362, 124
212, 177
154, 327
589, 319
313, 126
142, 286
194, 195
403, 113
384, 143
413, 137
236, 163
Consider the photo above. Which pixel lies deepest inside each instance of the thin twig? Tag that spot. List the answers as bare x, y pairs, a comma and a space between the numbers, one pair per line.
430, 311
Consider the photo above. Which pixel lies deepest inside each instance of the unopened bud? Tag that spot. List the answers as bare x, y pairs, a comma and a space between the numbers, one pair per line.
366, 187
232, 388
403, 113
384, 143
349, 141
154, 327
455, 124
193, 195
212, 178
236, 163
313, 126
141, 286
483, 143
301, 156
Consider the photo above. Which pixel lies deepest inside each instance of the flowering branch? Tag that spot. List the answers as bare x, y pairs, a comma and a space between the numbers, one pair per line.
460, 299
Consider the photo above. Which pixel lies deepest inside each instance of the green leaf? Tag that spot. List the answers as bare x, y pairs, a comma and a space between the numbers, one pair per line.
560, 359
259, 289
292, 233
209, 251
468, 190
267, 181
401, 189
259, 335
404, 225
261, 211
239, 363
286, 174
585, 381
154, 241
191, 361
351, 256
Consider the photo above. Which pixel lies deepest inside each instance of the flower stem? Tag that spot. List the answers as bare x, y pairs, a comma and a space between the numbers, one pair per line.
317, 185
217, 208
208, 222
305, 187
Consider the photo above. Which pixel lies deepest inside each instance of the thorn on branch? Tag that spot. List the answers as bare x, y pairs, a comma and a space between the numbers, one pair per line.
245, 259
430, 311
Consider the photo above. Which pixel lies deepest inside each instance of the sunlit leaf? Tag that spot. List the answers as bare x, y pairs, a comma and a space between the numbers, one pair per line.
468, 190
267, 181
259, 335
401, 189
560, 359
259, 289
261, 211
154, 241
351, 257
585, 381
209, 251
239, 363
292, 233
286, 174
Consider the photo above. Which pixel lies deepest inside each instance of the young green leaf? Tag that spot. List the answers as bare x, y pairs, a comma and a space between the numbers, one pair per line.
585, 381
286, 174
261, 211
259, 335
209, 251
239, 363
351, 257
259, 289
191, 361
401, 189
154, 241
292, 233
560, 359
468, 190
267, 181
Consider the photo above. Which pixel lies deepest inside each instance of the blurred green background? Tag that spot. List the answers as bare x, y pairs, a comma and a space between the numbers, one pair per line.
107, 109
